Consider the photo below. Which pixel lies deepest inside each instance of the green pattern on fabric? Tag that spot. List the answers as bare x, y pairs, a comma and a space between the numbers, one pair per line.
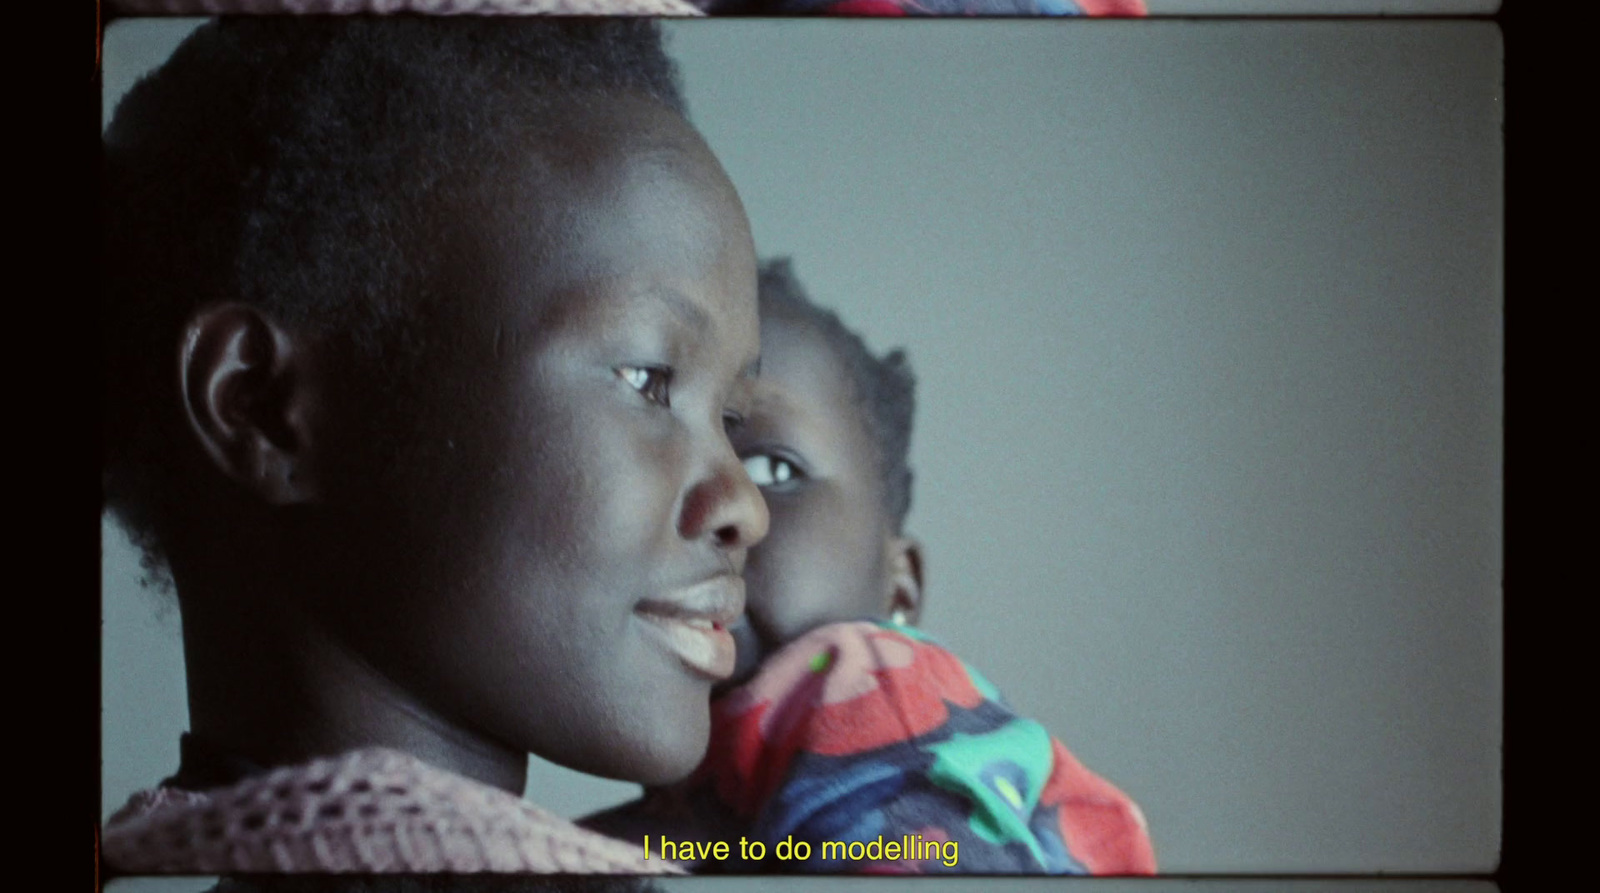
999, 810
821, 661
982, 684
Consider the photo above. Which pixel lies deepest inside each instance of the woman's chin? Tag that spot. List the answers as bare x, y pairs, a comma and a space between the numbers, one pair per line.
672, 760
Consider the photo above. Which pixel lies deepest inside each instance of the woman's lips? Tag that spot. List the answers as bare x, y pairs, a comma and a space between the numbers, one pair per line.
692, 624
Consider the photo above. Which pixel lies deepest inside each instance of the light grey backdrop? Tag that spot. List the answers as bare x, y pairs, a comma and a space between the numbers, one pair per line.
1321, 7
1208, 324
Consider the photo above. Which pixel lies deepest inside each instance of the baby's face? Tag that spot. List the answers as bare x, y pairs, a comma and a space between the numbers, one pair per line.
561, 521
828, 555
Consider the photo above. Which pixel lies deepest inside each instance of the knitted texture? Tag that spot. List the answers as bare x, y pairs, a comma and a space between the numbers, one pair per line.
365, 811
426, 7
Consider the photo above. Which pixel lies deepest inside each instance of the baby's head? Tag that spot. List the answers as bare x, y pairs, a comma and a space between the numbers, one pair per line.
423, 339
827, 440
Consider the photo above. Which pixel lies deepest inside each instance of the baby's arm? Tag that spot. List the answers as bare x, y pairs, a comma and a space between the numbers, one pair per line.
873, 735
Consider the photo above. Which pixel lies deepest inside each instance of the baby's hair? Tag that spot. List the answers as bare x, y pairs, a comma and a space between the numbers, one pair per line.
287, 163
884, 387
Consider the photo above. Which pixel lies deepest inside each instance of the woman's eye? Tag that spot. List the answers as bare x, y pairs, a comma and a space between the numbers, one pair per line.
650, 381
770, 471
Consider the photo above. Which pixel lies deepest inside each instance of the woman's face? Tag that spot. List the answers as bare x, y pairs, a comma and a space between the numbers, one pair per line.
829, 555
559, 522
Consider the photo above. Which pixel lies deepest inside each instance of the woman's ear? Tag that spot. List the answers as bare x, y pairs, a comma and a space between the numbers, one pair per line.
905, 578
249, 390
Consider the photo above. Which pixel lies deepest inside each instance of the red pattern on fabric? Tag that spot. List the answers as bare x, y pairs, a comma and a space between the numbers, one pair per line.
752, 745
1113, 7
754, 738
909, 701
1102, 827
853, 688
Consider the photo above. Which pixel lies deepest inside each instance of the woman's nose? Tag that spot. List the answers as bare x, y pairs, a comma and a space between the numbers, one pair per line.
727, 507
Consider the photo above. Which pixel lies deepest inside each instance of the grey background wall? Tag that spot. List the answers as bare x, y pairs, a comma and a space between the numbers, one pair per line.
1208, 324
1321, 7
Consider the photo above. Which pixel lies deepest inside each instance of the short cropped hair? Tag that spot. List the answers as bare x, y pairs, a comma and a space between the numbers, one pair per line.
283, 163
884, 388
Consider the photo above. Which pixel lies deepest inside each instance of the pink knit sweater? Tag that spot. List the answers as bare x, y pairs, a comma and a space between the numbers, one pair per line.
365, 811
426, 7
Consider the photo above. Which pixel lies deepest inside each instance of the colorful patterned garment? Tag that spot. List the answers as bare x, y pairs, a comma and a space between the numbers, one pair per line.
865, 731
926, 7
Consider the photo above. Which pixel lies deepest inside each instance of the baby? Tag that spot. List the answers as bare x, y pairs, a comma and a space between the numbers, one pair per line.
424, 338
861, 740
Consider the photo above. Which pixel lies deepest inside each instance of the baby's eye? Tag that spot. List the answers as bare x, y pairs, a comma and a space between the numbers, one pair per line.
653, 382
770, 471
